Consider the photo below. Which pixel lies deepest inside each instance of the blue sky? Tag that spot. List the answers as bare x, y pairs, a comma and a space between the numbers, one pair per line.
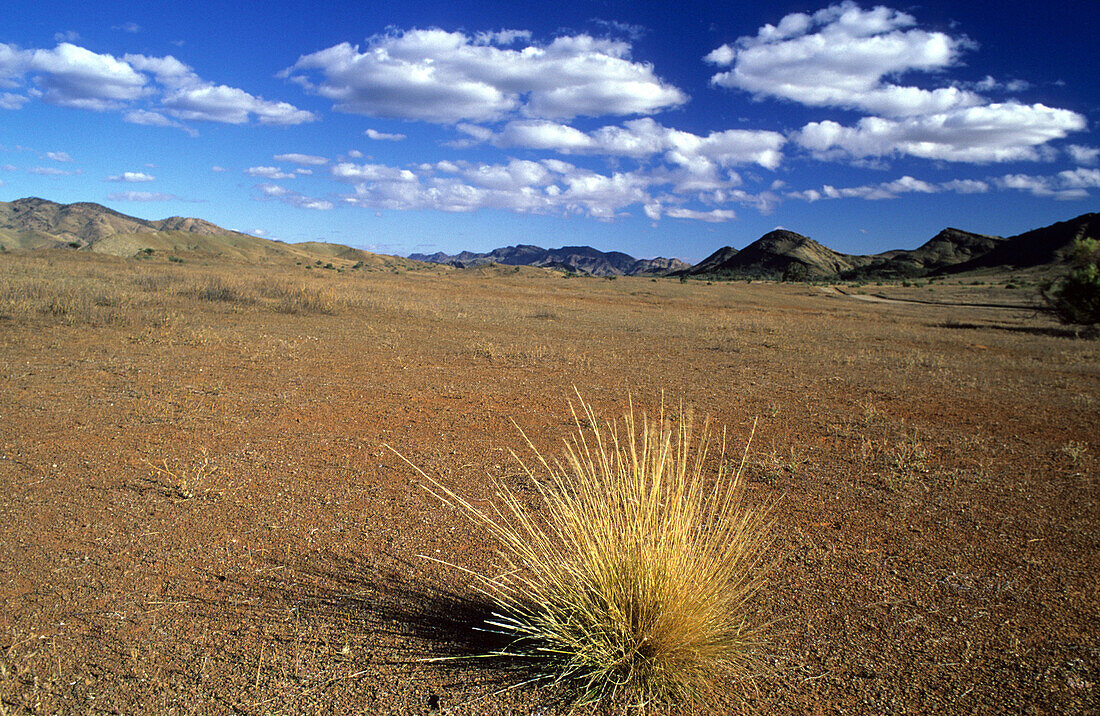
652, 128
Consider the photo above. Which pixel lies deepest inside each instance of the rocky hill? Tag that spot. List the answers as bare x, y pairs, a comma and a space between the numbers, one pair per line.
579, 259
948, 248
778, 253
1050, 245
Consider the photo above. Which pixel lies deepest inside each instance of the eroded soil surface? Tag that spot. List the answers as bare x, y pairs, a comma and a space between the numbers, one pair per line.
199, 513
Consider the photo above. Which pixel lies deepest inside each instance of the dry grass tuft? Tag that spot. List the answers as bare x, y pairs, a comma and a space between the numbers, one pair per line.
294, 298
632, 577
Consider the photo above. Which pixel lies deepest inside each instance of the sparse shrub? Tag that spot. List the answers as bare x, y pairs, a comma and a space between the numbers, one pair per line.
1075, 297
216, 288
73, 244
632, 577
294, 299
175, 259
796, 272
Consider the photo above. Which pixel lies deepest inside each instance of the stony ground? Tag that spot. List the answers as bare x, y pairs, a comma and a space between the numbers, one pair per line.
199, 514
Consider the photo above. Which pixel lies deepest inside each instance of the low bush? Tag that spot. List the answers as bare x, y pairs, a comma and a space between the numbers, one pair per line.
1075, 297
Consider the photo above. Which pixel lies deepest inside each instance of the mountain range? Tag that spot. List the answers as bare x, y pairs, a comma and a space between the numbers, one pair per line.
785, 254
578, 259
34, 223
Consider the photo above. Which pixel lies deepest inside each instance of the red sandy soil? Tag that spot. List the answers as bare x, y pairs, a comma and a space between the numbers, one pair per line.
935, 469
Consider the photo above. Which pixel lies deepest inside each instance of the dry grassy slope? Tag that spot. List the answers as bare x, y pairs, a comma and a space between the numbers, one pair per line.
33, 223
315, 250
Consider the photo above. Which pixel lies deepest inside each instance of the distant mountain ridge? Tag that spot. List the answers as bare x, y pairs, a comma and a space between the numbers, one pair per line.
579, 259
33, 223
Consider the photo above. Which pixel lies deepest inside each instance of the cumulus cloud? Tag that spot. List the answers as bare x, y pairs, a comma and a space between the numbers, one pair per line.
301, 159
131, 177
840, 57
548, 186
73, 76
847, 57
59, 156
1066, 185
1082, 154
694, 162
446, 77
383, 136
991, 133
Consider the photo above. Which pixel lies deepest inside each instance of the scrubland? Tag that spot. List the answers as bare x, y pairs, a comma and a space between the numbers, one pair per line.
200, 516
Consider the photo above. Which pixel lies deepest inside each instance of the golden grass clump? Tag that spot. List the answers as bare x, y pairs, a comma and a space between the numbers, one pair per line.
632, 576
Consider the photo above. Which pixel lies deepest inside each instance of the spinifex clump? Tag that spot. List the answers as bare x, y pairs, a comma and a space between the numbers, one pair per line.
633, 577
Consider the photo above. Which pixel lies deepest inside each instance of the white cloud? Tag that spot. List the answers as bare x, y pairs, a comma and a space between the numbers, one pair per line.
220, 103
642, 138
1080, 178
383, 136
131, 27
445, 77
847, 57
155, 119
287, 196
713, 216
268, 173
1082, 154
131, 177
891, 189
66, 36
301, 159
218, 169
966, 186
10, 100
72, 76
59, 156
839, 57
992, 133
141, 196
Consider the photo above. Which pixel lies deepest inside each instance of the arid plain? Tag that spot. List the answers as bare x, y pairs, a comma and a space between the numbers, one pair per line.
200, 516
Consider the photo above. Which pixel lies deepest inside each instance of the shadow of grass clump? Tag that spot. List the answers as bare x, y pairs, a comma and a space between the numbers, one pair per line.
394, 611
